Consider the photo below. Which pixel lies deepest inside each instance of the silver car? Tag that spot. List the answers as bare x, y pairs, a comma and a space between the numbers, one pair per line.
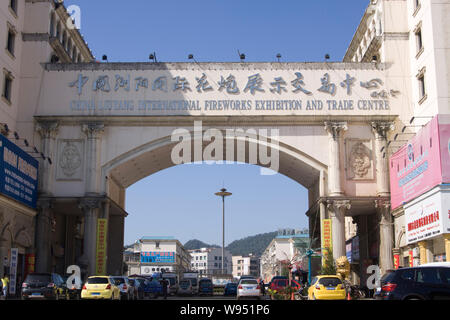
248, 288
126, 288
185, 288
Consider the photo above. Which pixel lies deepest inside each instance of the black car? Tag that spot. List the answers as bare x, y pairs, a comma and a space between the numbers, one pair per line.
205, 287
44, 286
418, 283
74, 292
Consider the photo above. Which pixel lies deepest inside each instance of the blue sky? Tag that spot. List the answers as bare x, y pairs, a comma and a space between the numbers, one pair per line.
180, 201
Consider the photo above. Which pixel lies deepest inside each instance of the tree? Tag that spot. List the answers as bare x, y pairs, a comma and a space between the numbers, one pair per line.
329, 267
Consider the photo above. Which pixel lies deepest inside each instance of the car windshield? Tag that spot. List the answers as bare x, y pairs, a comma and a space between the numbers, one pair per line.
205, 282
171, 280
249, 281
39, 278
281, 283
330, 282
231, 285
185, 284
97, 280
193, 281
387, 277
119, 280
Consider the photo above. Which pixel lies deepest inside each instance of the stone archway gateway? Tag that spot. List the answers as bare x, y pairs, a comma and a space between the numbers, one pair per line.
108, 125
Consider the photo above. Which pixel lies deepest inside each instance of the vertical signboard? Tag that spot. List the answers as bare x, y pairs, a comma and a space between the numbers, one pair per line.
102, 227
396, 261
18, 173
13, 271
327, 242
30, 263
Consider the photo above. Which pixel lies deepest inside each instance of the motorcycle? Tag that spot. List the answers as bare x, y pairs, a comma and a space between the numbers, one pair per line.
356, 293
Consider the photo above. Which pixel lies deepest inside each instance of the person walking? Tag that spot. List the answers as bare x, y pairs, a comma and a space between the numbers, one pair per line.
164, 287
263, 288
5, 284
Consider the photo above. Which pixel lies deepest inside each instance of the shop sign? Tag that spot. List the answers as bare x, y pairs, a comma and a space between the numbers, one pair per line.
411, 258
18, 173
428, 217
327, 241
13, 271
422, 164
102, 227
30, 263
158, 257
396, 261
348, 251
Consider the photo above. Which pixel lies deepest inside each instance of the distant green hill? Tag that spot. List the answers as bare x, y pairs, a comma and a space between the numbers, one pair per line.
253, 244
197, 244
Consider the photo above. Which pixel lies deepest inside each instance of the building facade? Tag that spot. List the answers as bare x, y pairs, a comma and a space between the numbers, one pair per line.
282, 251
208, 261
28, 40
246, 266
157, 254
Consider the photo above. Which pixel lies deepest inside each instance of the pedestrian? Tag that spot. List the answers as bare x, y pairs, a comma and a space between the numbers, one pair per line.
5, 285
164, 288
263, 288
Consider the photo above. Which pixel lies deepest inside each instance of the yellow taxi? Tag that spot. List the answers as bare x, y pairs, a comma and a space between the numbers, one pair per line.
327, 288
100, 287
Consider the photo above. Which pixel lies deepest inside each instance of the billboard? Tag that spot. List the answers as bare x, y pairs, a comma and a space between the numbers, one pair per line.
422, 164
428, 217
157, 257
18, 173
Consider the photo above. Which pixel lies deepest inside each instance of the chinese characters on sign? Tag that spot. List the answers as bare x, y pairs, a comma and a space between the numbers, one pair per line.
158, 257
327, 241
102, 227
254, 84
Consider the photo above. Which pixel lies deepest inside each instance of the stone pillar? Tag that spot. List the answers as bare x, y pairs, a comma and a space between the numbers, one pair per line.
380, 130
93, 132
386, 260
48, 132
338, 209
335, 130
447, 246
43, 236
90, 208
423, 252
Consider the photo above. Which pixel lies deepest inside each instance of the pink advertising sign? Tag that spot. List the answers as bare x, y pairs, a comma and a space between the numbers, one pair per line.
416, 168
444, 137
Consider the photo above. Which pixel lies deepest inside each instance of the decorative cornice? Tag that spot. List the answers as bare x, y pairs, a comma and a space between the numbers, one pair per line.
47, 129
201, 66
335, 128
93, 130
380, 129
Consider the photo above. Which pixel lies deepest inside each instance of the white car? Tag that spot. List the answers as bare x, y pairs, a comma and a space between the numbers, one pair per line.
248, 288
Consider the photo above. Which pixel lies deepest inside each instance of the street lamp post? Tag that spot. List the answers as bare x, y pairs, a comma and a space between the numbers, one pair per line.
223, 193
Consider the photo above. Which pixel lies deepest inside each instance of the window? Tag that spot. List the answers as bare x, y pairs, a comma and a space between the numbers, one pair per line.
11, 40
52, 25
157, 245
445, 274
408, 275
13, 6
419, 39
416, 6
422, 86
7, 86
428, 275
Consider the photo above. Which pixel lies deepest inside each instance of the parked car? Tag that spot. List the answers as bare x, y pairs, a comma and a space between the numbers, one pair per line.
205, 287
185, 288
426, 282
101, 287
327, 287
153, 288
135, 286
248, 288
44, 286
140, 284
74, 292
126, 289
276, 278
230, 289
279, 284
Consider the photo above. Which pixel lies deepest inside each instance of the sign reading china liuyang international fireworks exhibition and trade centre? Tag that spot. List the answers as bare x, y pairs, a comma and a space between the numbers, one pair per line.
18, 173
216, 89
